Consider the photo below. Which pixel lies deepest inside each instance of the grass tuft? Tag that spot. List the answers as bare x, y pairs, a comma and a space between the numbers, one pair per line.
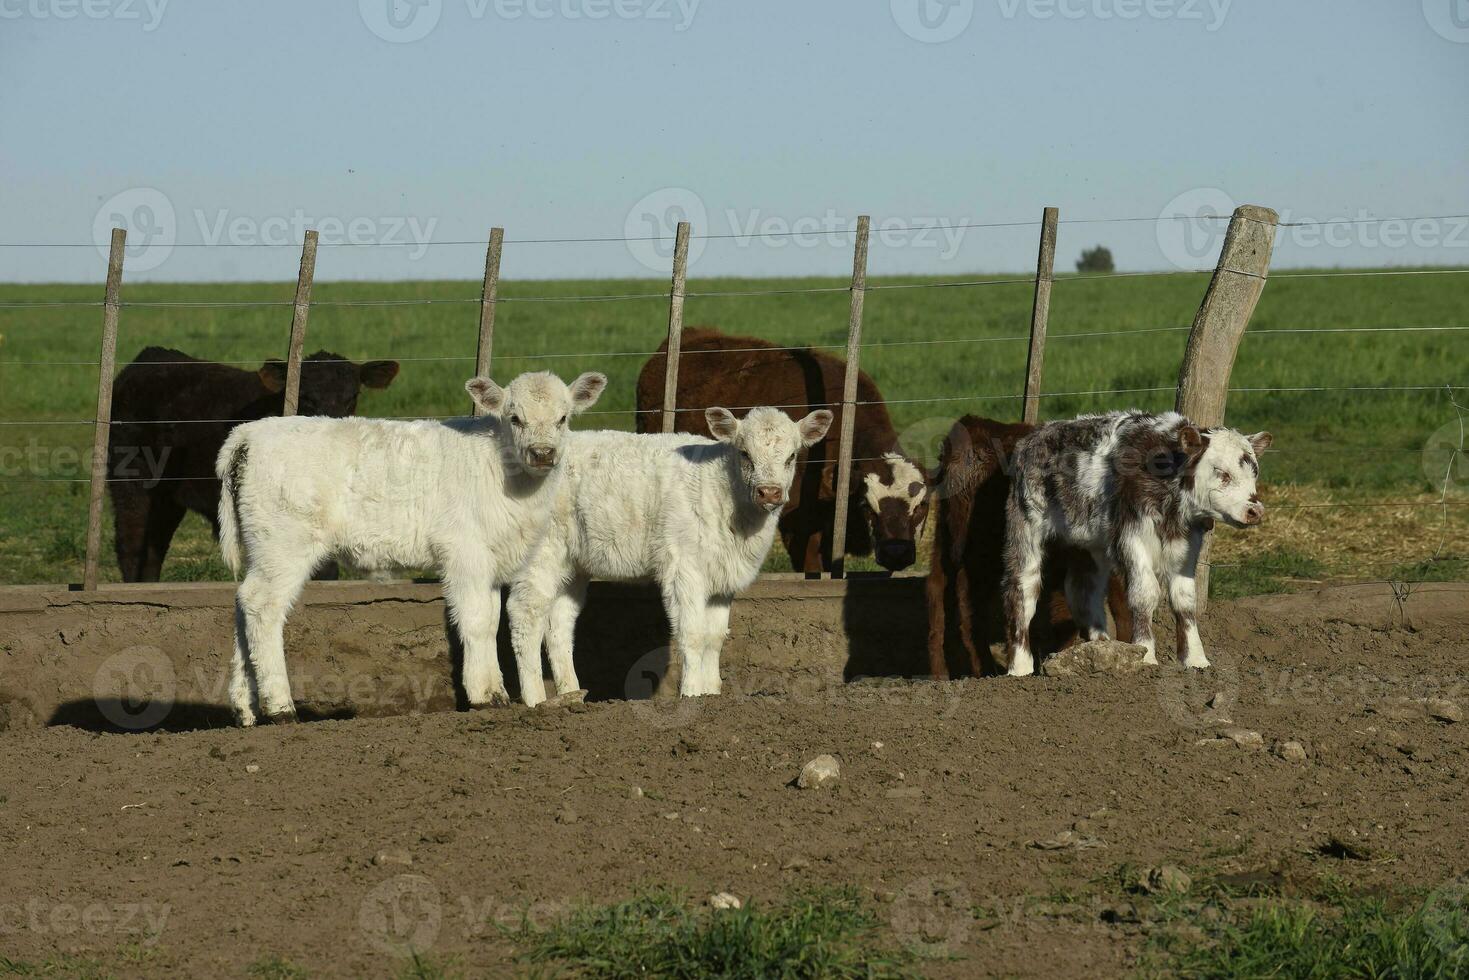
1354, 938
827, 934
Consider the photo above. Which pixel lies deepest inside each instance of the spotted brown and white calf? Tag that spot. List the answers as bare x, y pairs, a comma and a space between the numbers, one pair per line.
1138, 492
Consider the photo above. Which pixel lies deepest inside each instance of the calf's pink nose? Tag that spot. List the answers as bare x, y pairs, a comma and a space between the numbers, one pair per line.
1255, 511
769, 493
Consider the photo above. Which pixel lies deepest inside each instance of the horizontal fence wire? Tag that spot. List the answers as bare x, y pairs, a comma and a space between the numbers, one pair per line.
1091, 334
880, 227
809, 404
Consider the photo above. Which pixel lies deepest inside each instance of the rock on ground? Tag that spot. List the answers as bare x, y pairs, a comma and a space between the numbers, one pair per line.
1096, 657
819, 773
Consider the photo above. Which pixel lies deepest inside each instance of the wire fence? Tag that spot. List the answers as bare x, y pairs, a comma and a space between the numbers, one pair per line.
1448, 384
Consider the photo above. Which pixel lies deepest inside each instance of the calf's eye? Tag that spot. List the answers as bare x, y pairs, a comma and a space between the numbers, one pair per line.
790, 459
515, 421
1223, 477
563, 420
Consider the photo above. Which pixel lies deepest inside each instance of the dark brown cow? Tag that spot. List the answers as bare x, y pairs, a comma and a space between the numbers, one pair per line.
972, 484
160, 457
889, 497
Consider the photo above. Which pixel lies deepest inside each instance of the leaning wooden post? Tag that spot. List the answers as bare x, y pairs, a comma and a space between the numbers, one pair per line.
1238, 281
488, 296
101, 429
675, 324
1040, 312
299, 313
849, 399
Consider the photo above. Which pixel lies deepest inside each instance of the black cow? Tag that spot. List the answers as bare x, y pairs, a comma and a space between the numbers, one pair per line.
171, 414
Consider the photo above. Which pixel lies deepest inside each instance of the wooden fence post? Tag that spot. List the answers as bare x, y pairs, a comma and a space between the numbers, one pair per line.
101, 429
675, 324
302, 307
1040, 313
849, 399
1219, 326
489, 294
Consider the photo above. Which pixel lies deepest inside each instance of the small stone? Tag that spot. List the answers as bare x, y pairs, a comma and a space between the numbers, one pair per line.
1096, 657
395, 856
636, 793
1244, 738
820, 773
252, 768
877, 746
1290, 751
567, 816
1443, 710
1168, 878
725, 900
565, 699
795, 862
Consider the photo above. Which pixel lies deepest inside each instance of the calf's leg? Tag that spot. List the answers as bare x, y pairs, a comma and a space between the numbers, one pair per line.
716, 625
1142, 592
474, 606
530, 606
1023, 556
685, 603
561, 634
263, 601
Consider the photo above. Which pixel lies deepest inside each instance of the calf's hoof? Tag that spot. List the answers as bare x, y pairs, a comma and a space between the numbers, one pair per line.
280, 718
1197, 663
498, 699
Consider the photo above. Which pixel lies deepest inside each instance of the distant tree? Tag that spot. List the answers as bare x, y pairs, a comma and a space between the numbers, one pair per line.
1097, 259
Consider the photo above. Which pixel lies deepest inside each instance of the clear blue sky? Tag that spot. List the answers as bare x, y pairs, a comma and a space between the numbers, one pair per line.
543, 117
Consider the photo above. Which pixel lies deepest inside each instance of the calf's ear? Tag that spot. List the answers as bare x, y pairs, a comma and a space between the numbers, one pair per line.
586, 389
273, 375
486, 394
813, 427
377, 374
1191, 441
1260, 441
721, 423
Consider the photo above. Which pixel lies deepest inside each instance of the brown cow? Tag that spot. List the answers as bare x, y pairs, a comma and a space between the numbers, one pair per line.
972, 484
889, 497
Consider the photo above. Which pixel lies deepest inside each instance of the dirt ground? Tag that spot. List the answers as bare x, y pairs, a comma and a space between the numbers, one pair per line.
336, 844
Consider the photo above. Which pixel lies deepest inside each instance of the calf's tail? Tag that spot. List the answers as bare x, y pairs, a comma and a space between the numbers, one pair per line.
230, 468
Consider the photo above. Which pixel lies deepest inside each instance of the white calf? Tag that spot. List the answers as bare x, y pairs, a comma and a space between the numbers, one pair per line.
1134, 490
467, 496
695, 515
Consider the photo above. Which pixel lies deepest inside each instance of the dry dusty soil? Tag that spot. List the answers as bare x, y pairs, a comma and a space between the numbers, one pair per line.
988, 820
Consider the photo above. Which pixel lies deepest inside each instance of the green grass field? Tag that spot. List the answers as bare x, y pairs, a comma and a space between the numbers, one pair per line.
936, 354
